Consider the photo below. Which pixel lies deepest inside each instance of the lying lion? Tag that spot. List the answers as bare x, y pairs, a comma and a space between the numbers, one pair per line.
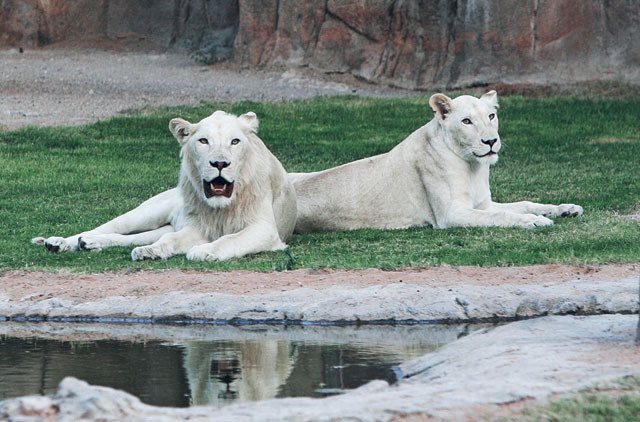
438, 176
233, 198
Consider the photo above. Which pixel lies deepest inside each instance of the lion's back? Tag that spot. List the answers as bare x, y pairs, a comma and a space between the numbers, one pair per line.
373, 192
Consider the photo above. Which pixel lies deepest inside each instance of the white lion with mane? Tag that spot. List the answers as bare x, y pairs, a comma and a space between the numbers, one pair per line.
233, 199
437, 176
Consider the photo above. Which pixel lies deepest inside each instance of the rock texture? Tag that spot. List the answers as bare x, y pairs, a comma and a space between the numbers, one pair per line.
519, 361
398, 302
413, 44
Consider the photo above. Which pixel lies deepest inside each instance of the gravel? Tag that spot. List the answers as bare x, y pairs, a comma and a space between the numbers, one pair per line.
73, 87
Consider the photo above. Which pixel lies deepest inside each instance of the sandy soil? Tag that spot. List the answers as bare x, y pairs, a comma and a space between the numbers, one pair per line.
89, 287
68, 87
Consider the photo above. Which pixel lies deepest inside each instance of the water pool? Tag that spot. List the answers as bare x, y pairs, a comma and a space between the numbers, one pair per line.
208, 365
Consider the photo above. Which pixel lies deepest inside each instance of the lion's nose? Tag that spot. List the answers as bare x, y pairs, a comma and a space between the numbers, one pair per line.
489, 142
219, 164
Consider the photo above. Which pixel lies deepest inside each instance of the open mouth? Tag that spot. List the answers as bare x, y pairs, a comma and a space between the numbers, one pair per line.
217, 187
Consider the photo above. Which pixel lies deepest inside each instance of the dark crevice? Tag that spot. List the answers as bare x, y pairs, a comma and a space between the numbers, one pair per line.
318, 29
381, 67
534, 28
464, 305
348, 25
188, 320
405, 36
276, 22
459, 57
443, 57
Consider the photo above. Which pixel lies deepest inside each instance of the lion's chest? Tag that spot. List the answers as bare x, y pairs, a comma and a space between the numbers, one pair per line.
212, 223
217, 223
479, 187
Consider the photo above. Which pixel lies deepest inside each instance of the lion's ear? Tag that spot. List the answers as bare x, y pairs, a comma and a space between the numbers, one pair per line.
491, 97
441, 105
251, 120
181, 129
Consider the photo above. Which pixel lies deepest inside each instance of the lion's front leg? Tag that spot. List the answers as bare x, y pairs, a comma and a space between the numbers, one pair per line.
97, 242
153, 213
469, 217
169, 245
253, 239
546, 210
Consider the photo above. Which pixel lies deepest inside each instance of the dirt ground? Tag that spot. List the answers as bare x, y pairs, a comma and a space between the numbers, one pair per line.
57, 86
77, 86
21, 285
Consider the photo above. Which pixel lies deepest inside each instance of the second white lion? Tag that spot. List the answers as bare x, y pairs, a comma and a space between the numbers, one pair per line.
233, 199
437, 176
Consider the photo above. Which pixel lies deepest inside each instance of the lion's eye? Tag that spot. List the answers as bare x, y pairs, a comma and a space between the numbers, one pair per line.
466, 121
492, 116
204, 141
235, 141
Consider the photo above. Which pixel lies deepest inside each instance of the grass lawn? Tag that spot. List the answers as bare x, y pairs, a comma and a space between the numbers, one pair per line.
622, 405
63, 180
592, 408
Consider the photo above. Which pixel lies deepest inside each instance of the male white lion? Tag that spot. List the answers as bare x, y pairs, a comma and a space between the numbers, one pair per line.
438, 176
233, 198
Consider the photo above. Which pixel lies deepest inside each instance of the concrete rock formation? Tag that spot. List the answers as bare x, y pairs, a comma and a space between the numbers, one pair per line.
532, 359
412, 44
345, 304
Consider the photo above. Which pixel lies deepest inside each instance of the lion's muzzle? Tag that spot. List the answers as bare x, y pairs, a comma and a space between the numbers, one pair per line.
217, 187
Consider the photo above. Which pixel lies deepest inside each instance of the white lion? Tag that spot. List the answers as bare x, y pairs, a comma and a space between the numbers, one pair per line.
438, 176
233, 198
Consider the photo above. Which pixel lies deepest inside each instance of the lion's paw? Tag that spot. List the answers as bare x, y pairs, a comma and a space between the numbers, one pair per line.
570, 210
145, 252
90, 243
54, 243
530, 221
201, 253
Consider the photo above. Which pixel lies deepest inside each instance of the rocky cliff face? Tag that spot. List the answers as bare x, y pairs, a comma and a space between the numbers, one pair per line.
409, 43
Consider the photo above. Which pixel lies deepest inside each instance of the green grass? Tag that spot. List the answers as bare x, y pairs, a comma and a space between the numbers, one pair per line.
593, 406
63, 180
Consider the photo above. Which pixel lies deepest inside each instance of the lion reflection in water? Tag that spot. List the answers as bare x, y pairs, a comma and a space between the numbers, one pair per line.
239, 371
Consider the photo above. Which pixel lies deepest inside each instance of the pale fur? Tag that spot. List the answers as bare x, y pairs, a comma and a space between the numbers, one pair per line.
258, 216
264, 368
431, 178
435, 177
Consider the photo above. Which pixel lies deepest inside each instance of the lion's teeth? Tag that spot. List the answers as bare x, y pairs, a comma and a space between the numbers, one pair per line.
217, 189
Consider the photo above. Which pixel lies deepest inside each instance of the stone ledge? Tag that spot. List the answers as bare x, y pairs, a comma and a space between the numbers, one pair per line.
395, 303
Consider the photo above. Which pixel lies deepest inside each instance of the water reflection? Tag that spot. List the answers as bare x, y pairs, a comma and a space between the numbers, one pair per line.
219, 373
149, 370
208, 365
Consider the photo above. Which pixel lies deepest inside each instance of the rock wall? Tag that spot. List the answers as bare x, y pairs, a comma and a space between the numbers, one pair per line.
205, 28
409, 43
